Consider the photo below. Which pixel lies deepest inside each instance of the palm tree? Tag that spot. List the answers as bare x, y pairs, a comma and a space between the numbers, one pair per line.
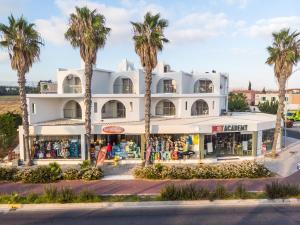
284, 53
148, 40
87, 32
23, 43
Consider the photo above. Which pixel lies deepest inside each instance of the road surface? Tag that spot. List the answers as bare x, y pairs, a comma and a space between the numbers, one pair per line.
294, 132
273, 215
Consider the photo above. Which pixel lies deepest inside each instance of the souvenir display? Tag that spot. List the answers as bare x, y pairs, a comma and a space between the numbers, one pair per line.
118, 147
53, 148
173, 147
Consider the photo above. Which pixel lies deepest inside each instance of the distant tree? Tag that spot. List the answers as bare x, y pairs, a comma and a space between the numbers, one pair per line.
237, 102
268, 107
249, 86
264, 90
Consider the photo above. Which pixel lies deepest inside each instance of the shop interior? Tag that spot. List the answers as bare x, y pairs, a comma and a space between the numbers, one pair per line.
228, 144
119, 146
55, 147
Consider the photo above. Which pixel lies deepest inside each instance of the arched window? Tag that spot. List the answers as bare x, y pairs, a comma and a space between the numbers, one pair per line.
165, 108
123, 85
72, 84
199, 107
166, 85
113, 109
203, 86
72, 110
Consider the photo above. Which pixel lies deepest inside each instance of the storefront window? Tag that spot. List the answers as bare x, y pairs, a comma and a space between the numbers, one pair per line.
174, 147
267, 138
119, 146
56, 147
228, 144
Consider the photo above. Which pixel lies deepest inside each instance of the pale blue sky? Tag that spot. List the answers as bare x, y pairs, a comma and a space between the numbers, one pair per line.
226, 35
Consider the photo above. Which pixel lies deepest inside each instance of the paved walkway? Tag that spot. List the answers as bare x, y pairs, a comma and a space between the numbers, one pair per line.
286, 163
142, 187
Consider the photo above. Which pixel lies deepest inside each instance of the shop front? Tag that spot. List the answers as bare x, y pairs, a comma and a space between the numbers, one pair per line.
55, 147
228, 141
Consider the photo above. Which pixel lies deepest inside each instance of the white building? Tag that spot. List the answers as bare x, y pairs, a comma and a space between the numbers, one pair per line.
188, 123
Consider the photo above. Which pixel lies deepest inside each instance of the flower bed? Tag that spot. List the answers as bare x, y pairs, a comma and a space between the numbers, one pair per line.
50, 173
245, 169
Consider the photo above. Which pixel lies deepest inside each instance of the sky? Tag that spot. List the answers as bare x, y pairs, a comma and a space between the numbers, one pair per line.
224, 35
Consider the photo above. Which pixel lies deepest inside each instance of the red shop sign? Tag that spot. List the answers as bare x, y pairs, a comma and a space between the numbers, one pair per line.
113, 130
216, 129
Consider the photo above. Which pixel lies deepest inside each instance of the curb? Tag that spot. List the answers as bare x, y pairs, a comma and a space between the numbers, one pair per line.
151, 204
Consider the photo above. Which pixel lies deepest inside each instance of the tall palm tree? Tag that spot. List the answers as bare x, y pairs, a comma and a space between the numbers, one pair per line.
148, 40
284, 53
23, 43
87, 31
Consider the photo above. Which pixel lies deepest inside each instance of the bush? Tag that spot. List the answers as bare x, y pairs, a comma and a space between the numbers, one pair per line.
245, 169
278, 190
50, 193
92, 173
71, 174
7, 173
55, 170
240, 192
219, 193
87, 196
184, 192
66, 195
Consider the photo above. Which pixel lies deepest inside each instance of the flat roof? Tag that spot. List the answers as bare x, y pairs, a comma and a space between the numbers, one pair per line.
254, 122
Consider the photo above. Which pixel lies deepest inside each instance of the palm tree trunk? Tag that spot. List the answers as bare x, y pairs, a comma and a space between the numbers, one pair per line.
280, 111
88, 72
148, 81
24, 109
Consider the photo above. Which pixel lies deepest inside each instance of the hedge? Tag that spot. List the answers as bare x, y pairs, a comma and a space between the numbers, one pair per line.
245, 169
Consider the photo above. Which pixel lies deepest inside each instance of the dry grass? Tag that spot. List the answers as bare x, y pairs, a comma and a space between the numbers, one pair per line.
9, 104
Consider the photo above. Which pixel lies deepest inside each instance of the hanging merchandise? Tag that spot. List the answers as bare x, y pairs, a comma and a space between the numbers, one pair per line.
172, 147
55, 148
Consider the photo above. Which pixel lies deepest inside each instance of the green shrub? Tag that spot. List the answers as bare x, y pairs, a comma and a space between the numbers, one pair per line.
86, 164
183, 192
87, 196
278, 190
51, 193
219, 193
14, 198
71, 174
240, 192
40, 174
66, 195
245, 169
7, 173
32, 197
92, 173
55, 170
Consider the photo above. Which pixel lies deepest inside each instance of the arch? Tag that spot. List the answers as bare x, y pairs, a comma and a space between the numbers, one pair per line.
72, 110
123, 85
165, 108
113, 109
166, 85
72, 84
203, 86
199, 107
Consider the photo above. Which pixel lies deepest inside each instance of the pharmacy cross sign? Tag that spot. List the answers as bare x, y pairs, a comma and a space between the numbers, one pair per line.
229, 128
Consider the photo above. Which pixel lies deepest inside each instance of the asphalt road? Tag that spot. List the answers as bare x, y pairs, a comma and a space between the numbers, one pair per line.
294, 132
273, 215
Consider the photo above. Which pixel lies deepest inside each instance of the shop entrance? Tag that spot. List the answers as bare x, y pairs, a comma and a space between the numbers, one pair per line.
228, 144
119, 146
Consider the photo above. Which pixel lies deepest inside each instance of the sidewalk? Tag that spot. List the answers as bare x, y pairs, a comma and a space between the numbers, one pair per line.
142, 187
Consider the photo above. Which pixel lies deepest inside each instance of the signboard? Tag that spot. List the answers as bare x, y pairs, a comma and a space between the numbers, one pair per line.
113, 130
229, 128
259, 143
210, 147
